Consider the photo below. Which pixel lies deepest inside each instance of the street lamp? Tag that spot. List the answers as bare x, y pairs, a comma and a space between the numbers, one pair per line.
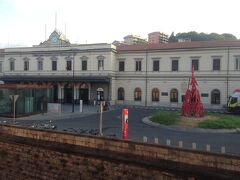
73, 78
73, 51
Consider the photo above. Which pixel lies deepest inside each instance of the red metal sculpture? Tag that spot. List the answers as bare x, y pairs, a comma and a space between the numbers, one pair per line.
192, 105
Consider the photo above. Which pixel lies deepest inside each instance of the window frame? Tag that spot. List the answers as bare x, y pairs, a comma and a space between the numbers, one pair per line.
100, 64
156, 68
174, 99
155, 95
40, 65
26, 65
215, 100
138, 65
69, 65
54, 65
237, 63
177, 65
12, 65
121, 66
121, 94
195, 60
137, 94
218, 65
84, 65
1, 66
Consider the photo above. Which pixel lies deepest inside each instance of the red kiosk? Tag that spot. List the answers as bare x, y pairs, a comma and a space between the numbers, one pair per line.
125, 124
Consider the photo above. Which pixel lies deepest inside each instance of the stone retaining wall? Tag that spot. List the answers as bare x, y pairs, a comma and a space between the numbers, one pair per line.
39, 154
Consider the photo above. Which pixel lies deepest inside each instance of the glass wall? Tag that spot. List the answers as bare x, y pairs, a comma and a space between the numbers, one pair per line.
30, 101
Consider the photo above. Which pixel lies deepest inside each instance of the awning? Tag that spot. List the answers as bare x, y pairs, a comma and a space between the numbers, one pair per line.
15, 78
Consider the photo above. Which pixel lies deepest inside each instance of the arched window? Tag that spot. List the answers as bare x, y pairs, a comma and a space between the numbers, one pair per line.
137, 94
174, 95
120, 93
155, 94
215, 96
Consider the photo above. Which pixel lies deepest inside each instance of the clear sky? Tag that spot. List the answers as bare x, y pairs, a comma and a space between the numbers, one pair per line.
22, 22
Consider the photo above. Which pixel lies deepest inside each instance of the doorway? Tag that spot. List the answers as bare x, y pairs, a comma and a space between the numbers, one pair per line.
68, 93
83, 95
55, 93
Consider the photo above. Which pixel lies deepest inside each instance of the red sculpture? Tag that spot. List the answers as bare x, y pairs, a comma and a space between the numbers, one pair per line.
192, 105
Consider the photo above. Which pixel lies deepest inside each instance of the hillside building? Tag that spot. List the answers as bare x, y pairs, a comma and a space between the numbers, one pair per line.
157, 38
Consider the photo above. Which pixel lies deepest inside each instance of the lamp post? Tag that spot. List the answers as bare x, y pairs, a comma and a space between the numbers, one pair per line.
73, 78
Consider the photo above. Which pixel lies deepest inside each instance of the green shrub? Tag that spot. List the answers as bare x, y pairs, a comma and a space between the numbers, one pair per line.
223, 122
165, 117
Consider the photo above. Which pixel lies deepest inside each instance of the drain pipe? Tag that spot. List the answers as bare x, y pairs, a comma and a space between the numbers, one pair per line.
227, 71
146, 78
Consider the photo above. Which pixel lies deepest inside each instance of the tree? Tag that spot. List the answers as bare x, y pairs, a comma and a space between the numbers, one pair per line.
194, 36
172, 38
229, 36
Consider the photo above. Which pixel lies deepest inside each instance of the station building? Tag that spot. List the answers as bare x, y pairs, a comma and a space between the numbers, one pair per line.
146, 75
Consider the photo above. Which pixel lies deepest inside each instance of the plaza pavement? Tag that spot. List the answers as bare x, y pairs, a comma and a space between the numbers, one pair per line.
66, 112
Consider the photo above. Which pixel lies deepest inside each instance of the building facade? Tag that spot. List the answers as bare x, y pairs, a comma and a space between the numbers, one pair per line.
157, 38
158, 74
146, 75
134, 39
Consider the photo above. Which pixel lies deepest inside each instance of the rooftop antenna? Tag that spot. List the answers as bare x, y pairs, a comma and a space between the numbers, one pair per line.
65, 30
45, 32
55, 20
8, 40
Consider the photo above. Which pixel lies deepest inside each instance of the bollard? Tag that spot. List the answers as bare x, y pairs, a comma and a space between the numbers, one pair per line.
208, 147
156, 141
180, 144
125, 124
80, 106
223, 150
194, 146
168, 142
145, 139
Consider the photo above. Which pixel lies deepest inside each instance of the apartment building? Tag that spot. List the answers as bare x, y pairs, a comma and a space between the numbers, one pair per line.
134, 39
157, 38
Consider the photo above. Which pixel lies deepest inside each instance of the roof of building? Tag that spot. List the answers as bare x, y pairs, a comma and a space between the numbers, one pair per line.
180, 45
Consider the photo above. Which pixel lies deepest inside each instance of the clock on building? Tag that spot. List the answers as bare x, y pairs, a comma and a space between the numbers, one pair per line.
54, 39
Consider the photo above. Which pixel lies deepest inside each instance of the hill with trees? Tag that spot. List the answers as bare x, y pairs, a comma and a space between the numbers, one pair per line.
194, 36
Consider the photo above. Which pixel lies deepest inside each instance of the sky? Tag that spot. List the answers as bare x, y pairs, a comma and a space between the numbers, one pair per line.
23, 22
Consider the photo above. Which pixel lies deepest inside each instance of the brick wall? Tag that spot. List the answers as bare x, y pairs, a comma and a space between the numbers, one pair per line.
39, 154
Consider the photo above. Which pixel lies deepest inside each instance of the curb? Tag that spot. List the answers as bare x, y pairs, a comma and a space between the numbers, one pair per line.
146, 120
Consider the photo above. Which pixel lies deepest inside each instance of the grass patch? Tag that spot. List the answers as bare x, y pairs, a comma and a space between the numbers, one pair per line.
211, 120
222, 122
165, 117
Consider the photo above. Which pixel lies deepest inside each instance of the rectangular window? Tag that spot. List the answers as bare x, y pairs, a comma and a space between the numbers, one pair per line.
138, 65
237, 63
84, 65
183, 96
195, 64
12, 65
155, 65
216, 64
174, 65
121, 65
69, 65
204, 95
40, 65
26, 65
1, 67
54, 65
100, 64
